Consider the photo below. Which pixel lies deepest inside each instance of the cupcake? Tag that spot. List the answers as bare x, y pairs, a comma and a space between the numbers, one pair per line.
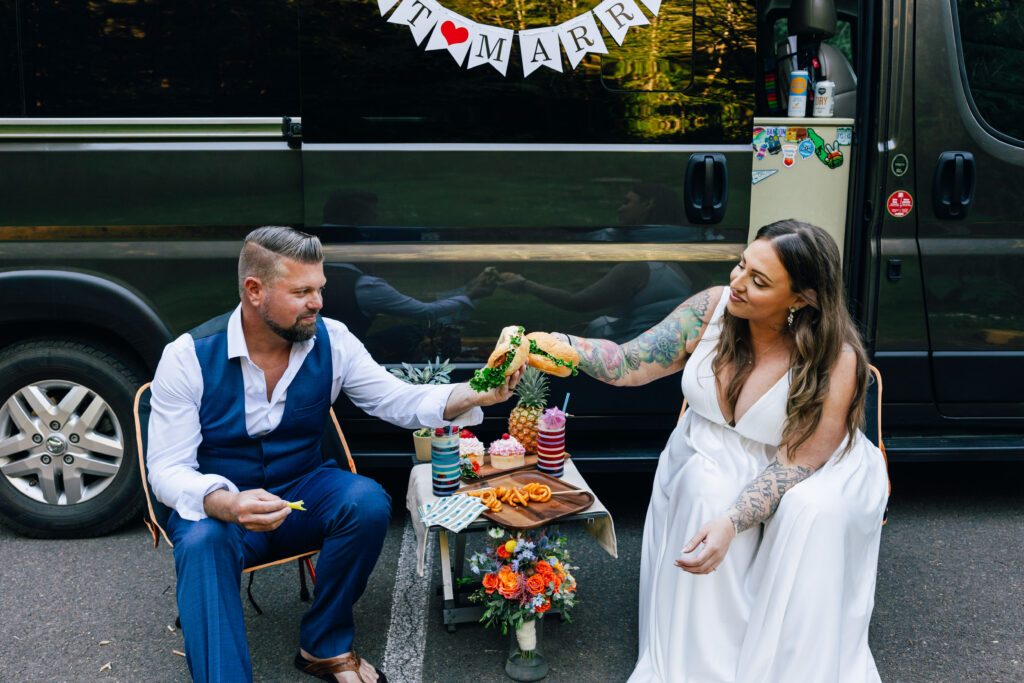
470, 447
507, 453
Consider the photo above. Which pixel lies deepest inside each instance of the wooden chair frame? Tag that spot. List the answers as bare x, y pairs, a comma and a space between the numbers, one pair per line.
304, 560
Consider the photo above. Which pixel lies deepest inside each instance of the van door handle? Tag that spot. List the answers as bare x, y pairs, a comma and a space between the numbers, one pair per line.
706, 190
953, 188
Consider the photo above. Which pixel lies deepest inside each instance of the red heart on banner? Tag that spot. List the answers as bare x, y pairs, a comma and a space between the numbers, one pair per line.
454, 35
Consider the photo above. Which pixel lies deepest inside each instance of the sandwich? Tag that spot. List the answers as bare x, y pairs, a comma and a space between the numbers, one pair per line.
552, 355
510, 353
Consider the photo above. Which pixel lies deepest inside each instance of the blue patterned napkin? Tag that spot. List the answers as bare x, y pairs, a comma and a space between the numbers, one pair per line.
454, 513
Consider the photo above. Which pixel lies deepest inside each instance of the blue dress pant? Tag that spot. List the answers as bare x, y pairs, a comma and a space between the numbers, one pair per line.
346, 517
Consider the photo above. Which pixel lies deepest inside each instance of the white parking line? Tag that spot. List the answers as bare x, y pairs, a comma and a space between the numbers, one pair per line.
407, 636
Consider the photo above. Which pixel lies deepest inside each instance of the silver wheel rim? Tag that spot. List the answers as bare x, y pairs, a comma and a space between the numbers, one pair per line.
60, 442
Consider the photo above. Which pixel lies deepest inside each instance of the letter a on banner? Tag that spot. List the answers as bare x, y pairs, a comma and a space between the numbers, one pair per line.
539, 47
452, 33
419, 15
492, 46
580, 36
618, 15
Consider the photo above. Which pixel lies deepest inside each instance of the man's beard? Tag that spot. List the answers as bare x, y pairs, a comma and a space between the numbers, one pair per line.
299, 332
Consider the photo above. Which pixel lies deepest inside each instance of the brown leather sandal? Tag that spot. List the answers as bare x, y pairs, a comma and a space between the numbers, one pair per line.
325, 669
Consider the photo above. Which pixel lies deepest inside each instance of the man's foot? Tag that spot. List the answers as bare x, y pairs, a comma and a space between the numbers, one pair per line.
346, 668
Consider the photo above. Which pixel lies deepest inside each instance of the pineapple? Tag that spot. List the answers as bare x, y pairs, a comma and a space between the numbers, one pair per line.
533, 395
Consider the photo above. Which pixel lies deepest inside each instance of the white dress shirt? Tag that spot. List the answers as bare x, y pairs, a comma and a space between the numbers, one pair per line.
177, 391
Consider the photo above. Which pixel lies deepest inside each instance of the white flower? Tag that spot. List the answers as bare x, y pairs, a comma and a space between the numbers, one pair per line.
496, 532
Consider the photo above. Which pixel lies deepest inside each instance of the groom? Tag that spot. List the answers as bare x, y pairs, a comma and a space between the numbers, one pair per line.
239, 406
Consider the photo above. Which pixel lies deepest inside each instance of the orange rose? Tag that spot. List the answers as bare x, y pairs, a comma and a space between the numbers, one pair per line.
502, 553
535, 584
490, 582
543, 567
558, 581
545, 607
508, 582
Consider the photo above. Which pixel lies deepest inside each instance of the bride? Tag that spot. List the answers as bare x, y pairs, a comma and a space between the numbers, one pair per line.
761, 541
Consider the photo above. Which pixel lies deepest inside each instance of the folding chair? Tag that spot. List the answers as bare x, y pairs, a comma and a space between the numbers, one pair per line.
156, 514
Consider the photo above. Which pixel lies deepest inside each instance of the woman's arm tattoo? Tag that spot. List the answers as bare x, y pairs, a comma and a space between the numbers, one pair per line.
762, 496
662, 345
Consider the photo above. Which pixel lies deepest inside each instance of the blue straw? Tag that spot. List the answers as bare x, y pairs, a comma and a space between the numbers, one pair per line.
565, 405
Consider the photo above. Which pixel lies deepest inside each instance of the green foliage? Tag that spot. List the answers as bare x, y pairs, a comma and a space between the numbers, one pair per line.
434, 372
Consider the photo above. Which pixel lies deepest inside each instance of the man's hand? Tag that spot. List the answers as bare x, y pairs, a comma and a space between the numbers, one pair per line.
255, 509
463, 397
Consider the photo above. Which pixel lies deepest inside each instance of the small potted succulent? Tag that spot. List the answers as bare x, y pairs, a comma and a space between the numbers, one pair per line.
434, 372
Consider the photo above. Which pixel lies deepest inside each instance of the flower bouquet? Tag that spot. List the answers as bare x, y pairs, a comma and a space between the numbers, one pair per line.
523, 577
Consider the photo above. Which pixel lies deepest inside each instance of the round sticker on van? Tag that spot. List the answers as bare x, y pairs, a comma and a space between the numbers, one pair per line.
900, 203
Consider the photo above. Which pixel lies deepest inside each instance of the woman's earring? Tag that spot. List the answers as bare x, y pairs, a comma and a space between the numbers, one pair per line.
789, 318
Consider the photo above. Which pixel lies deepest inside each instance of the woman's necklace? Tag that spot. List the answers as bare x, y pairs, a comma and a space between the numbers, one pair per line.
765, 351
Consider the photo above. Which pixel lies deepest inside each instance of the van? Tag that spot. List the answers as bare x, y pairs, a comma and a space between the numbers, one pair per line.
575, 167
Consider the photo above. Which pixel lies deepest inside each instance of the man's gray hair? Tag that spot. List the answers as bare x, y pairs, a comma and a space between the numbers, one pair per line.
264, 247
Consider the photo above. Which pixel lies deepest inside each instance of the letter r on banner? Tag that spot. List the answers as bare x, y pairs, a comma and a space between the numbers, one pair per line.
580, 36
618, 16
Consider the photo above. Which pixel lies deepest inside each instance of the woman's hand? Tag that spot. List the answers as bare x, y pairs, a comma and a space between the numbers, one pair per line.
716, 536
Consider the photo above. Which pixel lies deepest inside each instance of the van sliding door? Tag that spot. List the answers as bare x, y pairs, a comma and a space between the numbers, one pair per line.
970, 151
556, 200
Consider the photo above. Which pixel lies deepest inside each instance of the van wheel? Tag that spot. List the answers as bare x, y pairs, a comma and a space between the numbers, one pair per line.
68, 463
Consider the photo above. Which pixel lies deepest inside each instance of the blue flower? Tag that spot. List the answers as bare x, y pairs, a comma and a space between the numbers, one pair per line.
515, 565
538, 601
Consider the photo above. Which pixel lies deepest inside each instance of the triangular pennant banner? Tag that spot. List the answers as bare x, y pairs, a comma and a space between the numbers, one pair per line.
539, 47
618, 15
580, 36
652, 5
386, 5
491, 45
452, 33
419, 15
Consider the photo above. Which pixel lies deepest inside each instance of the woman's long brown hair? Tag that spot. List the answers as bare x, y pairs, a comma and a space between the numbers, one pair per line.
820, 329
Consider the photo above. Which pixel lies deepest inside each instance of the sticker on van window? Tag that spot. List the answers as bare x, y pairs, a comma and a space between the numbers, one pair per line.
538, 47
758, 176
899, 203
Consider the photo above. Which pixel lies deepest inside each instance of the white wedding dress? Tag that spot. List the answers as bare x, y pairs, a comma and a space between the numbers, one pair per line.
792, 600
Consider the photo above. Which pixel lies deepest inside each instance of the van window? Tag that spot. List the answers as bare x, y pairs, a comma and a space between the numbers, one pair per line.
993, 61
145, 58
684, 78
10, 76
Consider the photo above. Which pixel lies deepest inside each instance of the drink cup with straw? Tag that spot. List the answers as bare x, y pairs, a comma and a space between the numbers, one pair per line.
444, 460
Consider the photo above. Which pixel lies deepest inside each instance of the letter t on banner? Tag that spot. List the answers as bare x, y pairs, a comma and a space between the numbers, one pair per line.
539, 47
419, 15
618, 15
580, 36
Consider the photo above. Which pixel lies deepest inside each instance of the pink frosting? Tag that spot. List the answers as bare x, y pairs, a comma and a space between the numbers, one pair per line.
553, 420
470, 446
509, 446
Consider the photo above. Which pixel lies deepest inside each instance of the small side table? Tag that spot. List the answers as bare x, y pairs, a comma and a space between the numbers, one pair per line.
597, 520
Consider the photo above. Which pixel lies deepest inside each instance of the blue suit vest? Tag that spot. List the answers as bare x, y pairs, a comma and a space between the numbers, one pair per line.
273, 458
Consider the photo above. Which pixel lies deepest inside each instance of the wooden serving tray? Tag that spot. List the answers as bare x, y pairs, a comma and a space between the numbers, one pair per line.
488, 470
536, 514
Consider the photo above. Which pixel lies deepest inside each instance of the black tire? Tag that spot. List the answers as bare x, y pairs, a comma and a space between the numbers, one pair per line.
36, 498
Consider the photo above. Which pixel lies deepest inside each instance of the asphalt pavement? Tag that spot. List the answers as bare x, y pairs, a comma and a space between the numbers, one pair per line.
949, 603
